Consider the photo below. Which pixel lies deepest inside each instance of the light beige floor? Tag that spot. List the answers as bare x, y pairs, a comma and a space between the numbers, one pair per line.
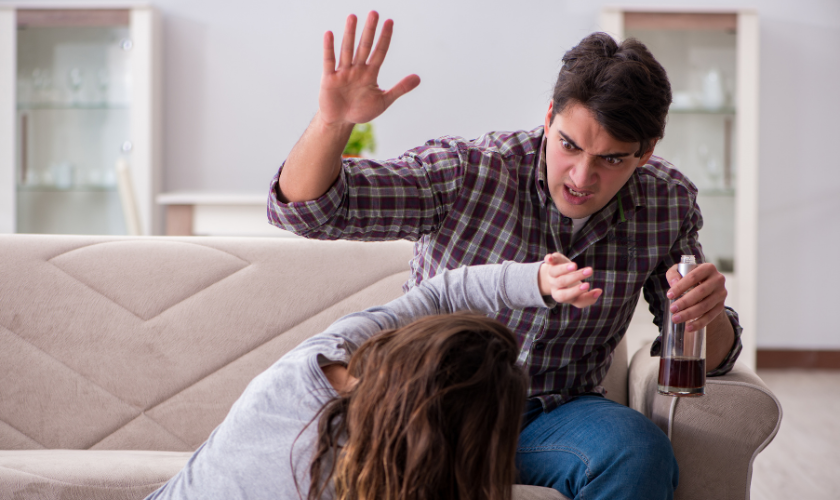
803, 461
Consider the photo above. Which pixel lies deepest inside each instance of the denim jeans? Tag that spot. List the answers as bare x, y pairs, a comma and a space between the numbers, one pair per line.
593, 448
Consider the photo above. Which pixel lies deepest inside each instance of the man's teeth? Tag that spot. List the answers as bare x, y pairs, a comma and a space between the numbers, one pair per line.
576, 193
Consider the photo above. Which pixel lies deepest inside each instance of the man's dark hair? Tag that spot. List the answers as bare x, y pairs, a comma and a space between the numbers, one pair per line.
623, 85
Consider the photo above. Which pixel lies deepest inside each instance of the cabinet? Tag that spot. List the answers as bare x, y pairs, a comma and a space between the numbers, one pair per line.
79, 121
711, 57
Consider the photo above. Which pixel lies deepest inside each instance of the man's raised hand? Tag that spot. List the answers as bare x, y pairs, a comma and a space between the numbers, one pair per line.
349, 91
349, 94
560, 278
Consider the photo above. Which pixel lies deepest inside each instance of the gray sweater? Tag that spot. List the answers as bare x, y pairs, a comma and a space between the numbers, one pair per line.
265, 441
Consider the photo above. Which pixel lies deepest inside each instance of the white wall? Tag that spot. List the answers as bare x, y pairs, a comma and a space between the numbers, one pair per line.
241, 82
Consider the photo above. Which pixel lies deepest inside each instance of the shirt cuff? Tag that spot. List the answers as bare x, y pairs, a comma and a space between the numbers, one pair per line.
302, 217
731, 357
522, 286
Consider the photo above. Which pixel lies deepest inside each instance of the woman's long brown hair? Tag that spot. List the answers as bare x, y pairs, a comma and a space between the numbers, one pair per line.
435, 415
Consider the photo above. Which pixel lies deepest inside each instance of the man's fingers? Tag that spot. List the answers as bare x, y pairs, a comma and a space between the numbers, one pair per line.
711, 289
679, 284
347, 42
703, 320
673, 276
713, 303
709, 292
382, 45
701, 274
404, 86
329, 53
366, 42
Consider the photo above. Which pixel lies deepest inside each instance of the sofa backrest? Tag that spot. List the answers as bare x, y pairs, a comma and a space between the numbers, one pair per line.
145, 343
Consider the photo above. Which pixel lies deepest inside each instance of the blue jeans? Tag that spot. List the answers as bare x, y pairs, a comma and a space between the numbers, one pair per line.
592, 448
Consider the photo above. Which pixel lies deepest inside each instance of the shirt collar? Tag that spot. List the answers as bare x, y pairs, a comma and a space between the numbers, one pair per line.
631, 192
542, 179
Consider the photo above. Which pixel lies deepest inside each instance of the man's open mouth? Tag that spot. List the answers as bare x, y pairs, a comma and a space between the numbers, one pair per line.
575, 197
576, 193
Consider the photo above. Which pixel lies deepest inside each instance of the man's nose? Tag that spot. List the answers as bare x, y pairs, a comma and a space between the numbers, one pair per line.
584, 170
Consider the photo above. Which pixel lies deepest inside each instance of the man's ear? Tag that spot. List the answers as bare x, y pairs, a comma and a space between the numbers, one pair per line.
548, 117
646, 155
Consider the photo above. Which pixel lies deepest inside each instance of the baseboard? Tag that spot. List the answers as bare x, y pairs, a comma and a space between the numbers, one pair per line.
789, 358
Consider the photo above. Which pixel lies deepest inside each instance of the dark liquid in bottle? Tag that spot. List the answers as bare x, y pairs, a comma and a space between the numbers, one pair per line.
678, 373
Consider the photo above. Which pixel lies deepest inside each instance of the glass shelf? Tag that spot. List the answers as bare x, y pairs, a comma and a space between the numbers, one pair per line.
36, 106
75, 189
73, 122
723, 193
48, 210
700, 139
701, 111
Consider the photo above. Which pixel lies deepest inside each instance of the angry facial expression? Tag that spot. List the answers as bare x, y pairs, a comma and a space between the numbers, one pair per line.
585, 165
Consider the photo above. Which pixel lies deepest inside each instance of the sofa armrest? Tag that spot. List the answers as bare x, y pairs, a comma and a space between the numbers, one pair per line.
715, 437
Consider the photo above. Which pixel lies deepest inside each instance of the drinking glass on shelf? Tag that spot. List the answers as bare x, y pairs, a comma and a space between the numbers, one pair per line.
714, 171
41, 83
713, 96
75, 80
63, 174
103, 80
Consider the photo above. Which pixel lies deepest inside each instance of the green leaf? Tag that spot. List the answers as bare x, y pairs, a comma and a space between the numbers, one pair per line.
361, 139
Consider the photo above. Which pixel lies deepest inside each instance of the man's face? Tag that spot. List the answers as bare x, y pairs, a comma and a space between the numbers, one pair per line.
585, 165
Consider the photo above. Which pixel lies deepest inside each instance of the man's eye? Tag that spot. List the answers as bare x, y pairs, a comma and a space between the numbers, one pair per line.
568, 146
612, 160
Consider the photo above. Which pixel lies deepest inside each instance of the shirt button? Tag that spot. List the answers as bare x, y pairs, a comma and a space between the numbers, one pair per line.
567, 220
539, 346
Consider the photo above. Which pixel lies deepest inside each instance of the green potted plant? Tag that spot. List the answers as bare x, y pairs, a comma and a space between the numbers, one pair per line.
361, 140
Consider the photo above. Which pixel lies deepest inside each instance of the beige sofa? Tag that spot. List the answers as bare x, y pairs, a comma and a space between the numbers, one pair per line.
118, 356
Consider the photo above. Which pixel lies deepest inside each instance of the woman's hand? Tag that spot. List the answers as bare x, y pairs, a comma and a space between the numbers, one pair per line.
560, 278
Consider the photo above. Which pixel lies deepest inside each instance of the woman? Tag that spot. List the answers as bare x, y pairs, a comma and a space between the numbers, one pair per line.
427, 409
431, 411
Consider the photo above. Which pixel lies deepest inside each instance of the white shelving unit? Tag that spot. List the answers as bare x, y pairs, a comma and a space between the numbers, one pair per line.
192, 213
80, 93
711, 56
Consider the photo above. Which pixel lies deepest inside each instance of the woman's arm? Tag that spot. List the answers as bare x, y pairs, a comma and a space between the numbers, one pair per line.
486, 289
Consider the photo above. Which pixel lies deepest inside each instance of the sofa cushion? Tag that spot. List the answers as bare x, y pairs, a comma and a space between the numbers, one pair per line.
116, 475
86, 474
145, 343
521, 492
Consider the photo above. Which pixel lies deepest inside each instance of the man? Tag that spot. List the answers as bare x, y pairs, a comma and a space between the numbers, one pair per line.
586, 185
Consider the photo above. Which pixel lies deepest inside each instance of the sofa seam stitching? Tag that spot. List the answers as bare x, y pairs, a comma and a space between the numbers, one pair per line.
75, 484
24, 434
267, 341
50, 356
142, 414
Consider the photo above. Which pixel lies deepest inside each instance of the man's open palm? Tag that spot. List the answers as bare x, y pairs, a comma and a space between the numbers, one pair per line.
349, 91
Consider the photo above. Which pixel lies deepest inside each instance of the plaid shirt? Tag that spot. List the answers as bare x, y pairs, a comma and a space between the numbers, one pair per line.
486, 201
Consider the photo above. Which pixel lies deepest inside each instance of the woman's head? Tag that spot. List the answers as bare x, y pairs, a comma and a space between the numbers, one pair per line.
435, 414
